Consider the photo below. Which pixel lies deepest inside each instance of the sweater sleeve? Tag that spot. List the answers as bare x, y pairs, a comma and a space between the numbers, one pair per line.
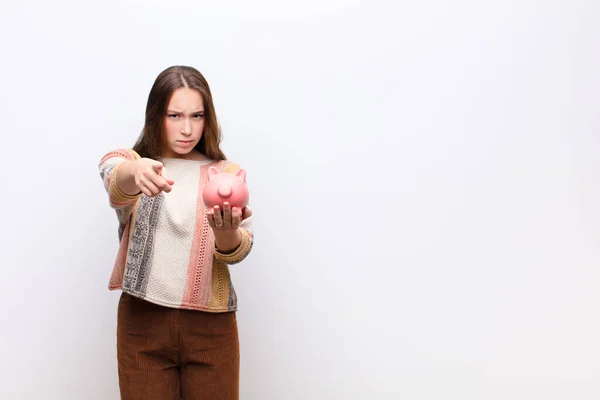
109, 168
246, 229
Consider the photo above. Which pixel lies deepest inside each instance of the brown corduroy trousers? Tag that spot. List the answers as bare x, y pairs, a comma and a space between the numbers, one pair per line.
173, 354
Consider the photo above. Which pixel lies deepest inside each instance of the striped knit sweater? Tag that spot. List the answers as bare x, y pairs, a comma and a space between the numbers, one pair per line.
167, 253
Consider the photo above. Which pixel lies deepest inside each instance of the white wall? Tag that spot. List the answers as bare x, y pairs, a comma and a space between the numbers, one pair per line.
424, 179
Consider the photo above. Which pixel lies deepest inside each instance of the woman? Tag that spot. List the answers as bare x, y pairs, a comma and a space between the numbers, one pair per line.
176, 327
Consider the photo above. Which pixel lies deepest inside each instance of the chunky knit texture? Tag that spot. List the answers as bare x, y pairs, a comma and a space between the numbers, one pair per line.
167, 252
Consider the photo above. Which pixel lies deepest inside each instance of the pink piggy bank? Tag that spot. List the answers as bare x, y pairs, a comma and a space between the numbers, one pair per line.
225, 187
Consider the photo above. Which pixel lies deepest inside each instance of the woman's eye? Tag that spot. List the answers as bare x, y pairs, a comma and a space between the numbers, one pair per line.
198, 116
173, 115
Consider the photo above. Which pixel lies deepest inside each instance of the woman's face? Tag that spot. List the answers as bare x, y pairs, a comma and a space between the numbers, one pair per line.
184, 122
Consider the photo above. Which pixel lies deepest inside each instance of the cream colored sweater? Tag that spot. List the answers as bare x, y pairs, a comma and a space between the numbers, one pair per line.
167, 253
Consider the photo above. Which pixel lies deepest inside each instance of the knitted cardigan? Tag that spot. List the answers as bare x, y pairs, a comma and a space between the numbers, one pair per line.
167, 252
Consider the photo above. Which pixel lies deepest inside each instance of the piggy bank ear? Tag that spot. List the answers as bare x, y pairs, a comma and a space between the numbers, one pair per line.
241, 173
212, 171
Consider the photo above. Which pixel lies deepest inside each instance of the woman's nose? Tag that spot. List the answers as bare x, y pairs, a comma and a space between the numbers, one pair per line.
187, 127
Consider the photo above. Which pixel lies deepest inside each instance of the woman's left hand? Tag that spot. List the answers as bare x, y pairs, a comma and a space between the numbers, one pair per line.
229, 220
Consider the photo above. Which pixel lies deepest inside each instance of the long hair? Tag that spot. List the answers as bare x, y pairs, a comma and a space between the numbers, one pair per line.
151, 141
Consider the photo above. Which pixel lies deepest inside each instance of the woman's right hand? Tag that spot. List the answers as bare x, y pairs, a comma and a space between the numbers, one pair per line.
150, 178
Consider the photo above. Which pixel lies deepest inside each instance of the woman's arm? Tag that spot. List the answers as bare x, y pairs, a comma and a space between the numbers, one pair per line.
232, 229
126, 176
228, 227
143, 176
109, 167
227, 242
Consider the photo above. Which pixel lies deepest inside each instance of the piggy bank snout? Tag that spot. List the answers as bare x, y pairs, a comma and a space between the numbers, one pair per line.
224, 191
225, 187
